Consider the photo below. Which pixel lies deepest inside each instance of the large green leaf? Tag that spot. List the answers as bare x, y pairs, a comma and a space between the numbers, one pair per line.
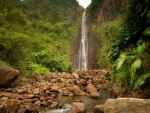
120, 61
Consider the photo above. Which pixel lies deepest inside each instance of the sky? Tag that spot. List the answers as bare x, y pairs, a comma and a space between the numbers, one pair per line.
84, 3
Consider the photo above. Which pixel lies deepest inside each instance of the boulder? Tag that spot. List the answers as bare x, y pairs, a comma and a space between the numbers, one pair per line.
91, 88
78, 107
76, 76
76, 91
7, 75
54, 104
93, 91
98, 109
55, 88
127, 105
36, 91
95, 95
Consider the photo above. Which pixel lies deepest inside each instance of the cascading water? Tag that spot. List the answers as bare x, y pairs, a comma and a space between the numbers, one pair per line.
83, 47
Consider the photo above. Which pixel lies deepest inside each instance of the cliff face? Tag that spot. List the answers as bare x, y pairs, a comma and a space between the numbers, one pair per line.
107, 11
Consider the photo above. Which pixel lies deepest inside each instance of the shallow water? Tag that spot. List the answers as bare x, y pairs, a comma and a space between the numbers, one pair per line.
89, 102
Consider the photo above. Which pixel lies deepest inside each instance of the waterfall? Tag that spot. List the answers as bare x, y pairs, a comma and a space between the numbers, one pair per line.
82, 60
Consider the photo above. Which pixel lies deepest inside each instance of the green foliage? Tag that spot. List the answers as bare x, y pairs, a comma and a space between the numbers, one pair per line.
133, 61
126, 42
37, 68
122, 76
94, 8
147, 32
141, 80
36, 36
130, 49
136, 65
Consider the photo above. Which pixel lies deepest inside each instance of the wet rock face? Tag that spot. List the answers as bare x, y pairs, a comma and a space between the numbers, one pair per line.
7, 75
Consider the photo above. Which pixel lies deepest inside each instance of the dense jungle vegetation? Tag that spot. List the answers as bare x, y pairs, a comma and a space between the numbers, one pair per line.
36, 35
125, 41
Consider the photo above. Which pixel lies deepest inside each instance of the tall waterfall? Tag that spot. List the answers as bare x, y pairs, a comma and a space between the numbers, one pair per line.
83, 47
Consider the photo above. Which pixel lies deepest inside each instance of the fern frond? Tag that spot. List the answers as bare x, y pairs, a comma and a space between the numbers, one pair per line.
140, 81
136, 65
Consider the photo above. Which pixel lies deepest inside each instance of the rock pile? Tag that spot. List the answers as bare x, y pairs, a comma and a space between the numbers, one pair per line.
28, 95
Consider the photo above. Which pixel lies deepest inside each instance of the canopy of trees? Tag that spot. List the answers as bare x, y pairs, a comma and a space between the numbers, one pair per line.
36, 35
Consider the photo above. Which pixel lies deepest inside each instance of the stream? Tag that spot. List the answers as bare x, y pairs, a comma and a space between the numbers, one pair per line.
89, 102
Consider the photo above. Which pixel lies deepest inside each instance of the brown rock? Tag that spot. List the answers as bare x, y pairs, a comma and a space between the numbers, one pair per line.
37, 103
127, 105
36, 91
21, 91
91, 88
7, 75
31, 108
44, 103
48, 76
21, 110
98, 109
35, 76
4, 98
2, 109
59, 80
65, 92
70, 94
78, 107
55, 87
47, 92
77, 91
12, 105
76, 76
54, 104
10, 95
95, 95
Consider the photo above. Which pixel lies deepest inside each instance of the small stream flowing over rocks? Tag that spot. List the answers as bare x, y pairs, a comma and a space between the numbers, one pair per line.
31, 95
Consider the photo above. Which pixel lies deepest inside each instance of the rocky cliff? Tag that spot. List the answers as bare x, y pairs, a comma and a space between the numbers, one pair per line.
106, 11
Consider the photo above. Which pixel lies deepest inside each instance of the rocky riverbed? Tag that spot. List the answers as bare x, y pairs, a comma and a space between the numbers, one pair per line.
28, 95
